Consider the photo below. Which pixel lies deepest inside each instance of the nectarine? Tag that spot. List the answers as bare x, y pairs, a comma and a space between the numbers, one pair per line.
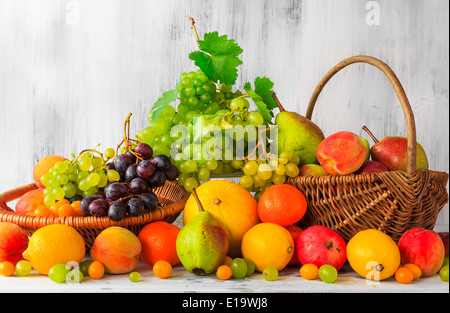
30, 201
13, 242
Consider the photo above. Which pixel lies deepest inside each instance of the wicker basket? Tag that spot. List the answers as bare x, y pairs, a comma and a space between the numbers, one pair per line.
391, 202
172, 199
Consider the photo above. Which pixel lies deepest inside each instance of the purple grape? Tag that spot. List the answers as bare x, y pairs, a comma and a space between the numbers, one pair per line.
135, 207
158, 179
131, 172
161, 161
99, 207
122, 162
117, 210
171, 173
100, 194
116, 191
132, 156
145, 169
110, 166
150, 200
84, 205
138, 186
144, 150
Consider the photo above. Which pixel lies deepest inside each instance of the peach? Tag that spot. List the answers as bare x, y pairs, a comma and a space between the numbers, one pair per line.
312, 170
30, 201
423, 248
43, 166
13, 242
117, 249
341, 153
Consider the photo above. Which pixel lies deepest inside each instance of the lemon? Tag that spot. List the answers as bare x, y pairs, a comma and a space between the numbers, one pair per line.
54, 244
373, 254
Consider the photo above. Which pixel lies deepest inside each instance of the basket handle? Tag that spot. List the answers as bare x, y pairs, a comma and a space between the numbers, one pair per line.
401, 95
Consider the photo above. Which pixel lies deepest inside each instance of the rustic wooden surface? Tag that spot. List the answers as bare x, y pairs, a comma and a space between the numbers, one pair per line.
70, 71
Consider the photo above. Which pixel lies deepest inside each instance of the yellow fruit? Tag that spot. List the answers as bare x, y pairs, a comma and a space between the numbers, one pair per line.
54, 244
373, 254
268, 244
231, 204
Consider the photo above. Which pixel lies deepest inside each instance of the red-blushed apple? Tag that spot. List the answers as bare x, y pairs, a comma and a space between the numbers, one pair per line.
444, 237
424, 248
13, 242
320, 245
371, 166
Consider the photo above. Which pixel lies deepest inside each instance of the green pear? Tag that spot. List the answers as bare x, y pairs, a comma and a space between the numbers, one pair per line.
366, 145
298, 135
202, 244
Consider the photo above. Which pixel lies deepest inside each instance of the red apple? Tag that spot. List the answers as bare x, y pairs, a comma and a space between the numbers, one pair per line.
372, 167
320, 245
13, 242
444, 237
423, 248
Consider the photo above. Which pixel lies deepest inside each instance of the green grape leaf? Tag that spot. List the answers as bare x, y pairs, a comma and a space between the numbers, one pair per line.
263, 87
218, 58
161, 104
260, 104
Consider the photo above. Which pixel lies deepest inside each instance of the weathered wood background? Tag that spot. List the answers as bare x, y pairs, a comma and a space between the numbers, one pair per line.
70, 71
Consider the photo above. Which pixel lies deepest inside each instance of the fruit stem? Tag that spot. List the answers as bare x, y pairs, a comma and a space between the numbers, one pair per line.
370, 134
194, 28
274, 96
200, 206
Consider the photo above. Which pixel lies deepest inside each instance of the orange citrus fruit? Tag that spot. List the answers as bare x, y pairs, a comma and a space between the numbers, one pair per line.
373, 254
403, 275
54, 209
77, 208
224, 272
96, 270
158, 240
282, 204
66, 210
309, 271
417, 272
268, 244
162, 269
6, 268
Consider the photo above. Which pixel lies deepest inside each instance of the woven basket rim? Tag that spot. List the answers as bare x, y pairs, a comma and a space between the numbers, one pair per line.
86, 222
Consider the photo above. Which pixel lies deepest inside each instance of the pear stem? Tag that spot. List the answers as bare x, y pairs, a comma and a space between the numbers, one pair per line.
274, 96
370, 134
200, 206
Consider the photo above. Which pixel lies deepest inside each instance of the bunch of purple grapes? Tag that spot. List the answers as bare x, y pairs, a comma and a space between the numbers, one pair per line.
133, 193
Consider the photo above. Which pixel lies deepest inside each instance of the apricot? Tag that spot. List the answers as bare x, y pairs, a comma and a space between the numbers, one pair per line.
341, 153
13, 242
117, 249
43, 166
30, 201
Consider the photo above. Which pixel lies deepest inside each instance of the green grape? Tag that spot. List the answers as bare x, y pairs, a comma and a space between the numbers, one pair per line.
238, 268
45, 179
23, 268
97, 162
48, 191
211, 164
205, 98
192, 103
190, 183
188, 92
255, 118
280, 169
182, 178
278, 179
69, 190
75, 276
292, 170
134, 277
203, 174
219, 169
159, 148
239, 104
295, 159
58, 273
113, 175
84, 267
286, 154
211, 108
246, 181
250, 266
60, 167
166, 139
85, 164
62, 178
84, 184
270, 273
58, 193
250, 168
264, 171
110, 153
227, 168
89, 192
103, 180
328, 273
237, 164
190, 166
53, 182
49, 200
93, 179
257, 181
187, 82
169, 112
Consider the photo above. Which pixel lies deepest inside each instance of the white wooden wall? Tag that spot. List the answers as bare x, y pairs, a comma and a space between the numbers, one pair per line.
71, 70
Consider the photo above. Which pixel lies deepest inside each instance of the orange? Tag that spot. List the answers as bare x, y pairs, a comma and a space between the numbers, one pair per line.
77, 208
162, 269
43, 166
54, 209
158, 240
224, 272
309, 271
96, 270
373, 254
42, 210
6, 268
227, 260
282, 204
295, 231
66, 210
268, 244
403, 275
417, 272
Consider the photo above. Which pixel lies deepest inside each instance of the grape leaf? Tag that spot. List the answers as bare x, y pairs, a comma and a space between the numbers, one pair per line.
218, 58
263, 87
258, 100
160, 105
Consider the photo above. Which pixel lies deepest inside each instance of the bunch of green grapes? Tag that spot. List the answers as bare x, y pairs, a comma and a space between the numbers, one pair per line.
83, 176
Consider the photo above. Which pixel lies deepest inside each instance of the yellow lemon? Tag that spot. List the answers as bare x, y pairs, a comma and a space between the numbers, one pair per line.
54, 244
268, 244
373, 254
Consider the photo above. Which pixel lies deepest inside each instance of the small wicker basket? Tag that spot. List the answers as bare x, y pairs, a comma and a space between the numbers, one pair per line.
172, 199
391, 202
